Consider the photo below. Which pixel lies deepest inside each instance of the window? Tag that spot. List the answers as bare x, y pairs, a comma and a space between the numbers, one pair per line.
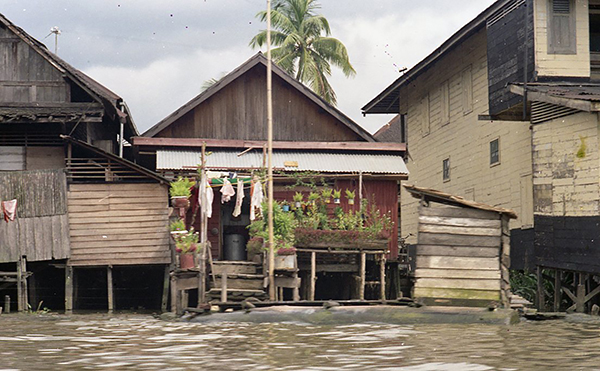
561, 27
425, 115
445, 102
467, 90
495, 152
446, 170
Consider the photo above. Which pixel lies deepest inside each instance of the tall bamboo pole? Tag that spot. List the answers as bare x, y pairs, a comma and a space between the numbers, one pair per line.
203, 228
270, 161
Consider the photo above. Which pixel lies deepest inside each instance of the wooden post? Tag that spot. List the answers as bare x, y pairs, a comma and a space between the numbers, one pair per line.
313, 275
580, 303
382, 277
363, 268
7, 304
540, 290
272, 292
557, 289
68, 289
173, 294
165, 295
109, 283
203, 229
24, 291
224, 287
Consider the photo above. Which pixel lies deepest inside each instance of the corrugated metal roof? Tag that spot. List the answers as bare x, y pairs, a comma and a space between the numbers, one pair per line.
325, 162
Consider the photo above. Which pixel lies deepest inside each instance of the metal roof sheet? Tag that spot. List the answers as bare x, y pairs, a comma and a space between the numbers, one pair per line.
319, 161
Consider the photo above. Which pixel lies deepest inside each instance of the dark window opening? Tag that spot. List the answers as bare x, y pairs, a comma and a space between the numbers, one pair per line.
446, 170
495, 152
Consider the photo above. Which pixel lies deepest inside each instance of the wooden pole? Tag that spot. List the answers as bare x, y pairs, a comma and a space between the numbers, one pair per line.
382, 277
313, 275
360, 187
557, 289
581, 294
68, 289
540, 290
174, 294
272, 292
165, 295
203, 228
224, 287
19, 287
24, 283
109, 282
363, 269
7, 304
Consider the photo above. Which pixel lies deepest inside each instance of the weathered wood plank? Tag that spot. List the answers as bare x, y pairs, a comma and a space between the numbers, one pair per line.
111, 200
460, 222
458, 273
122, 255
454, 283
457, 294
443, 262
103, 248
110, 237
103, 232
458, 240
458, 212
465, 231
116, 219
466, 251
123, 261
162, 211
132, 226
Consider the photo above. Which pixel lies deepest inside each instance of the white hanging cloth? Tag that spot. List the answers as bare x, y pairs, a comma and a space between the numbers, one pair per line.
210, 195
227, 191
256, 200
237, 210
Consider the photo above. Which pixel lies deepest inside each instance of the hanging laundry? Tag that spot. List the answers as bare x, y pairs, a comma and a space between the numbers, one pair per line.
237, 210
256, 200
9, 208
210, 195
227, 191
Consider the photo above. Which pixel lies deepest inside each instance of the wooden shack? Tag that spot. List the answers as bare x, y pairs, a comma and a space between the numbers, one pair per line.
463, 251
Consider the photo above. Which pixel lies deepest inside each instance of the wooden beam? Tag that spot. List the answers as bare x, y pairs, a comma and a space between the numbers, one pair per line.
165, 295
313, 276
362, 275
382, 278
68, 289
109, 282
540, 290
20, 307
223, 287
580, 301
557, 289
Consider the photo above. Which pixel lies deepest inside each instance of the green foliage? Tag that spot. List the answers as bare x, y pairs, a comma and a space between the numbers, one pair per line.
337, 193
313, 197
177, 225
298, 197
524, 283
255, 245
326, 194
186, 242
38, 310
304, 46
181, 187
284, 225
308, 179
351, 195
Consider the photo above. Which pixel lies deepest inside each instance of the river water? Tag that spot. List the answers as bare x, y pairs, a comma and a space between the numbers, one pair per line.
78, 342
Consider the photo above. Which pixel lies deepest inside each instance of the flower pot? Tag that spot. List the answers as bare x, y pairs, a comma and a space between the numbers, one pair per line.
285, 208
180, 202
298, 204
186, 261
350, 201
336, 200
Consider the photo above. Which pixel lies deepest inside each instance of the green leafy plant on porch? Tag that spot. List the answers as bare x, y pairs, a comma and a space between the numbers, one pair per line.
284, 225
181, 187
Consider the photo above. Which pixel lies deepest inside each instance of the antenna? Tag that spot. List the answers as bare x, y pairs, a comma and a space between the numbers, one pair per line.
56, 31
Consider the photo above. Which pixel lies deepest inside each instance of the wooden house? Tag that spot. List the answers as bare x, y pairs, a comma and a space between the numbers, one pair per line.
463, 251
81, 206
510, 104
310, 136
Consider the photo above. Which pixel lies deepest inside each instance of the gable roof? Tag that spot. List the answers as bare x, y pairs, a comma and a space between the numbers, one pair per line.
390, 132
110, 100
387, 100
258, 59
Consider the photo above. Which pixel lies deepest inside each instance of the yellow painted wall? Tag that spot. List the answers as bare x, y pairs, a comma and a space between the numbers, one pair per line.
465, 139
576, 65
567, 184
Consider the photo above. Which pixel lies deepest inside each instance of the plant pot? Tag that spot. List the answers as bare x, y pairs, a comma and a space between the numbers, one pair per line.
186, 261
298, 204
336, 200
285, 261
327, 201
350, 201
180, 202
285, 208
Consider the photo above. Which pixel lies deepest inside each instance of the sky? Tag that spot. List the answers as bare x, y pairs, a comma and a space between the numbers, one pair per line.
156, 54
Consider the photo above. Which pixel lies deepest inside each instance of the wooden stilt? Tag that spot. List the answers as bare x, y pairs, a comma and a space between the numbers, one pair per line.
362, 274
580, 303
224, 287
185, 301
68, 289
24, 290
109, 283
173, 294
7, 304
20, 307
382, 277
202, 275
313, 275
165, 295
557, 289
540, 290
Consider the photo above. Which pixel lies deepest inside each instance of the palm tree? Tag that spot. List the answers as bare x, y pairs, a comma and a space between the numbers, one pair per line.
304, 48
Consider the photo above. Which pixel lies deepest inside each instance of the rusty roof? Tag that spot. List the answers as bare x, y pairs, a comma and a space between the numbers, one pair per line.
447, 198
581, 96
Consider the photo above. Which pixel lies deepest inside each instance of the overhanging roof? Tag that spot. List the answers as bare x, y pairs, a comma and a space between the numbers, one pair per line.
446, 198
110, 100
583, 97
387, 101
258, 59
287, 160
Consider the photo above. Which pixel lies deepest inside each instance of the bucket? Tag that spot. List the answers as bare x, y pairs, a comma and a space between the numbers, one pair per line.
234, 247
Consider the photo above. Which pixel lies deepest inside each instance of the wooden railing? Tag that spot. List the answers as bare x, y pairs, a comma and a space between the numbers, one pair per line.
99, 169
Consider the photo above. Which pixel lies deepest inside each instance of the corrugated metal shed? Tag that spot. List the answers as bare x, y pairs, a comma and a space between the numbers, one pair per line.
321, 161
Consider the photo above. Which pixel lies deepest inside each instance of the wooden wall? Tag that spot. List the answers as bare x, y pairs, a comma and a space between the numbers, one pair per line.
238, 111
459, 256
27, 77
41, 229
118, 224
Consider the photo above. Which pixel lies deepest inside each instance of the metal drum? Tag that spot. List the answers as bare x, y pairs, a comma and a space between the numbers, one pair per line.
234, 247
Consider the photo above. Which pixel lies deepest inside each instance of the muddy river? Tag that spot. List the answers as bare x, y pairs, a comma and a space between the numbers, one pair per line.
58, 342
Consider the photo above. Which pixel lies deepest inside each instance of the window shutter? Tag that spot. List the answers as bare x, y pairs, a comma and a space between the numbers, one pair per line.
561, 27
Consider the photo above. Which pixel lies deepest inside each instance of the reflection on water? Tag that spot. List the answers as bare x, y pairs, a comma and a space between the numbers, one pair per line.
142, 342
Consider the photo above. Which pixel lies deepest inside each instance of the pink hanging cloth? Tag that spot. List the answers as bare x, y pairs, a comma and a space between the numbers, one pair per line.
9, 208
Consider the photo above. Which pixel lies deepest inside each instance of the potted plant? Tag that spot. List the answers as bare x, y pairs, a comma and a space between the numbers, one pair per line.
180, 191
177, 226
337, 194
285, 206
326, 195
186, 245
255, 247
298, 199
285, 256
350, 195
313, 197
